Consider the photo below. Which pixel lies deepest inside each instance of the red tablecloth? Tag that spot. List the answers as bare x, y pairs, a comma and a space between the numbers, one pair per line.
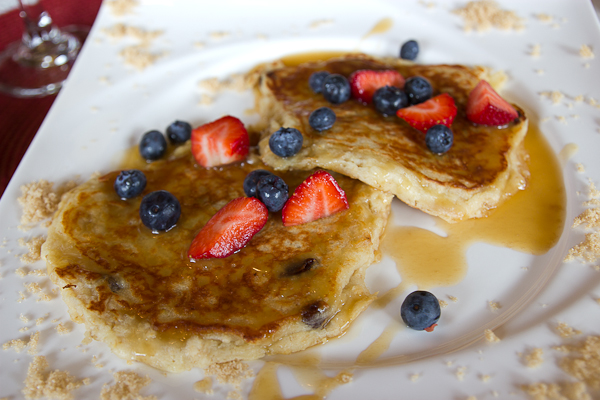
21, 118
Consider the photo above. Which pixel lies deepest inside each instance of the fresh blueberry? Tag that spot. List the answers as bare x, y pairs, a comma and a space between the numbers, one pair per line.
153, 145
252, 179
160, 211
336, 89
420, 310
130, 183
418, 89
316, 80
179, 132
439, 139
409, 50
389, 99
322, 119
286, 142
272, 191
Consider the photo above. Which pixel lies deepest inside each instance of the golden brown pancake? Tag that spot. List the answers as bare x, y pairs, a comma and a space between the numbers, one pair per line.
485, 165
290, 288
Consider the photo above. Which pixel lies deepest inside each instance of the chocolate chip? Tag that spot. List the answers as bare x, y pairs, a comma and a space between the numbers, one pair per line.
301, 267
113, 284
314, 315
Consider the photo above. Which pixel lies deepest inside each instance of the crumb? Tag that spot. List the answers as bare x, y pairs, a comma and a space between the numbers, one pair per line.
588, 249
17, 344
561, 118
232, 372
34, 247
34, 340
218, 35
471, 398
539, 71
127, 386
586, 65
495, 393
443, 303
581, 169
485, 378
556, 97
544, 17
536, 50
23, 318
545, 119
39, 202
585, 51
534, 358
35, 288
565, 331
460, 373
21, 296
56, 384
199, 45
583, 362
590, 217
55, 320
449, 363
454, 299
139, 56
494, 306
87, 338
62, 329
122, 7
490, 336
120, 31
415, 377
319, 23
38, 272
24, 329
204, 386
485, 14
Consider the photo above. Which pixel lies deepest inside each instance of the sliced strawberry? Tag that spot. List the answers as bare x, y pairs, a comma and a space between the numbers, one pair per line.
486, 107
230, 229
317, 197
220, 142
435, 111
365, 82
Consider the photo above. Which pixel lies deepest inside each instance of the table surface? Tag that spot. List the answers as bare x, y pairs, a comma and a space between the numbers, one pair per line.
20, 119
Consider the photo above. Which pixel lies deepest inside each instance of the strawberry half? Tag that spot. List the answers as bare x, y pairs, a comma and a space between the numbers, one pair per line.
220, 142
486, 107
435, 111
230, 229
317, 197
365, 82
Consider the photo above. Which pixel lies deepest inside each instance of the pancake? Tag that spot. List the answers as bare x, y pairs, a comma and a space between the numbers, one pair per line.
485, 165
290, 288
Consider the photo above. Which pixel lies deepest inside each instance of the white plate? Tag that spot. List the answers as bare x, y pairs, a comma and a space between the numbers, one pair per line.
106, 106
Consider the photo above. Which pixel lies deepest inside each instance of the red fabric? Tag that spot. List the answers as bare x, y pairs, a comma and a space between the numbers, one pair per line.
21, 118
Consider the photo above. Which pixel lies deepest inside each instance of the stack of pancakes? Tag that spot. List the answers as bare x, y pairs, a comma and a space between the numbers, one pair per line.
291, 287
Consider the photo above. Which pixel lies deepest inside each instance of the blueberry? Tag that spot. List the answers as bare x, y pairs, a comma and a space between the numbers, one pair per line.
153, 145
389, 99
336, 89
439, 139
418, 89
160, 211
286, 142
130, 183
316, 80
272, 191
409, 50
179, 132
321, 119
252, 179
420, 310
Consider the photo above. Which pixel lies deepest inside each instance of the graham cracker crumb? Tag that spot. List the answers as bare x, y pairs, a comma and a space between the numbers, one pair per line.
34, 340
443, 303
232, 372
21, 296
122, 7
219, 35
494, 306
415, 377
34, 247
588, 249
62, 329
585, 51
566, 331
583, 362
199, 44
127, 387
24, 329
55, 385
485, 378
320, 23
21, 272
39, 202
544, 17
139, 57
540, 71
490, 336
120, 31
485, 14
23, 318
17, 344
590, 218
536, 50
205, 100
35, 288
556, 97
204, 386
460, 373
580, 168
454, 299
534, 358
